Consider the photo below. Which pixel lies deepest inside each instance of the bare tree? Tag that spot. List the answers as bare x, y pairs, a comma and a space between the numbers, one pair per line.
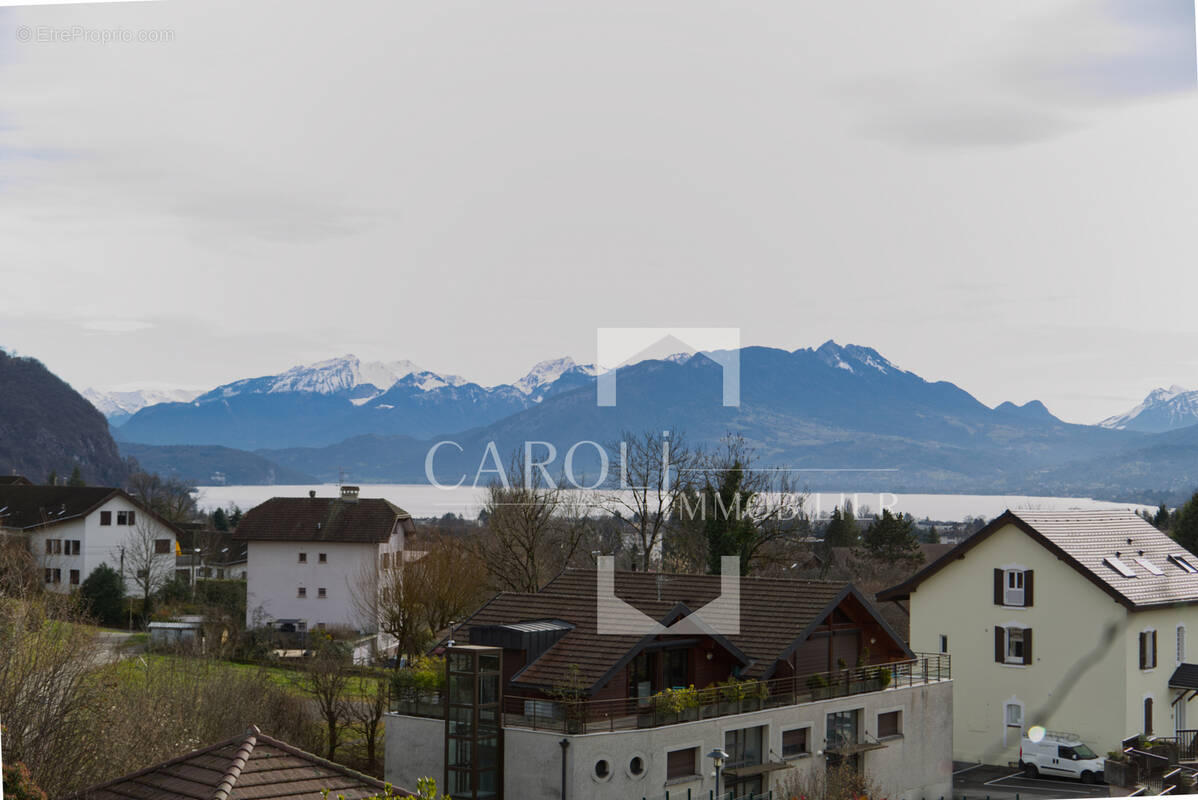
386, 601
147, 558
533, 530
451, 581
656, 469
18, 568
326, 679
366, 712
169, 498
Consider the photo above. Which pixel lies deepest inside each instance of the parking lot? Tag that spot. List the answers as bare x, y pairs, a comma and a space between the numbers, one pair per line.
982, 781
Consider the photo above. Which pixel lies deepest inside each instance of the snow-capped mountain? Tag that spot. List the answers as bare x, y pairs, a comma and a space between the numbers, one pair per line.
119, 406
338, 375
853, 358
1162, 410
547, 373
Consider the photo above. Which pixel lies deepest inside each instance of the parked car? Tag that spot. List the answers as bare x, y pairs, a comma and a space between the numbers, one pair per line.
1062, 755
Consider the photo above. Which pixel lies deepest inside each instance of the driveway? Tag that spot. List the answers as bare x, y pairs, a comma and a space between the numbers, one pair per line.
981, 781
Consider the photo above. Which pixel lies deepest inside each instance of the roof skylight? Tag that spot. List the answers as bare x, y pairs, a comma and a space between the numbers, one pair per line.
1183, 563
1148, 565
1119, 566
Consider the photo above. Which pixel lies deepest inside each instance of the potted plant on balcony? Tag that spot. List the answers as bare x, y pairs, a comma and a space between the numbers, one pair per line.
818, 685
677, 705
570, 694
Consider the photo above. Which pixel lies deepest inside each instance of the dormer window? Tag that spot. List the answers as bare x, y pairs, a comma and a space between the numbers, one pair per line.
1013, 587
1183, 563
1116, 564
1148, 565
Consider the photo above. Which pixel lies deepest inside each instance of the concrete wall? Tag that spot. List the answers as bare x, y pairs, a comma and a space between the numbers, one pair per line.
1085, 676
916, 765
99, 544
413, 747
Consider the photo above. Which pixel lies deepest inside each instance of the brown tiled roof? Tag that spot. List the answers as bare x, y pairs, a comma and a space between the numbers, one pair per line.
23, 506
252, 765
10, 480
1084, 540
322, 519
775, 613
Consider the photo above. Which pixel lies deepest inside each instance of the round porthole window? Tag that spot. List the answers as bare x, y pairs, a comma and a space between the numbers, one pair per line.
636, 767
602, 769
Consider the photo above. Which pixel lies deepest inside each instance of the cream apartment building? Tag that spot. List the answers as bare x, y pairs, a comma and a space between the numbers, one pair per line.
1077, 621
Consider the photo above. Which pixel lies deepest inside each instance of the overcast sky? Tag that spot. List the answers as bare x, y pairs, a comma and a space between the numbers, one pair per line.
1000, 194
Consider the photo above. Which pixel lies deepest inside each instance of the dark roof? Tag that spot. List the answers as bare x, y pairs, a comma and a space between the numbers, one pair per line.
10, 480
24, 506
775, 614
322, 519
1088, 541
252, 765
1184, 677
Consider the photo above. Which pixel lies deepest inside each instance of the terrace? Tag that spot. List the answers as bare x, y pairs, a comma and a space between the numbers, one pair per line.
577, 715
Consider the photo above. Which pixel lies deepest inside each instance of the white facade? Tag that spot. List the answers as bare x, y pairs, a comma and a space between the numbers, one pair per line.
1085, 674
313, 581
916, 763
76, 547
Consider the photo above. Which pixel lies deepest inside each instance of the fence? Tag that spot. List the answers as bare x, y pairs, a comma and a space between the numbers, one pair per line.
688, 705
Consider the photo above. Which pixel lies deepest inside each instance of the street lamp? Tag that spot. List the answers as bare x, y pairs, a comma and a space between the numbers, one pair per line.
718, 757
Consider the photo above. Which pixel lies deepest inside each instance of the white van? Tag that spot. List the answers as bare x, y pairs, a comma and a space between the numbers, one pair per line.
1060, 754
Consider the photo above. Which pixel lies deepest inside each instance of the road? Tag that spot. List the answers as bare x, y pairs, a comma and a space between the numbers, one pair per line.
982, 781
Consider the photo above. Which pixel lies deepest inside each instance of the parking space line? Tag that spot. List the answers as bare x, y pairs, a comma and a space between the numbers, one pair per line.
971, 766
1003, 778
1042, 785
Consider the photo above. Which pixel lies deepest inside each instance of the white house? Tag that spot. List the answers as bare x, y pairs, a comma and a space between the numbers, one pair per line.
71, 530
1073, 620
307, 556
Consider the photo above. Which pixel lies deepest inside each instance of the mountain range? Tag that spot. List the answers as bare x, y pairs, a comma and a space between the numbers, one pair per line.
845, 417
1162, 410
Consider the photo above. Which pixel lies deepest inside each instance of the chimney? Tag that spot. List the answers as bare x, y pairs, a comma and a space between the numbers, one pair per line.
312, 493
349, 494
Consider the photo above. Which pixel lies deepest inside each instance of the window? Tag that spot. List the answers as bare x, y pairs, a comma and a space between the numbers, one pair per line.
49, 575
303, 558
321, 592
132, 518
301, 592
842, 728
1148, 565
602, 769
105, 517
49, 547
74, 577
122, 518
58, 576
1013, 587
890, 724
744, 746
1012, 645
74, 547
1148, 650
54, 547
323, 558
1013, 729
675, 672
796, 742
636, 767
320, 626
1147, 716
1183, 564
1181, 644
682, 763
943, 643
162, 546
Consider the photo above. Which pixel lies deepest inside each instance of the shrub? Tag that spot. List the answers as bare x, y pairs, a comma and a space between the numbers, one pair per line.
103, 593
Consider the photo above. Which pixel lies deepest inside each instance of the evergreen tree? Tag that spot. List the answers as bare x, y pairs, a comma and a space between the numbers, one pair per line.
1184, 524
891, 538
1162, 519
729, 529
219, 520
52, 478
76, 478
234, 518
842, 528
932, 536
104, 593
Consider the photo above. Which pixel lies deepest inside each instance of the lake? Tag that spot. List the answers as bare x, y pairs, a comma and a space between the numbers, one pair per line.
422, 500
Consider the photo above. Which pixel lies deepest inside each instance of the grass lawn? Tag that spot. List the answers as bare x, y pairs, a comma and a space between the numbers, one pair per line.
287, 679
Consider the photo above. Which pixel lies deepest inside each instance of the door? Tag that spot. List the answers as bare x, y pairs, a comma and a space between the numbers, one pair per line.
1013, 730
1066, 762
1179, 716
1148, 716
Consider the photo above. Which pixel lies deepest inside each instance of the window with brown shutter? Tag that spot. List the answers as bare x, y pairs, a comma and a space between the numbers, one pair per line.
162, 546
1027, 645
1000, 579
682, 763
105, 517
890, 724
1028, 575
1000, 644
794, 742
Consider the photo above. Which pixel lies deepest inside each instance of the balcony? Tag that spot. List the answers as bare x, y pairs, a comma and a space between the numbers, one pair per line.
689, 705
